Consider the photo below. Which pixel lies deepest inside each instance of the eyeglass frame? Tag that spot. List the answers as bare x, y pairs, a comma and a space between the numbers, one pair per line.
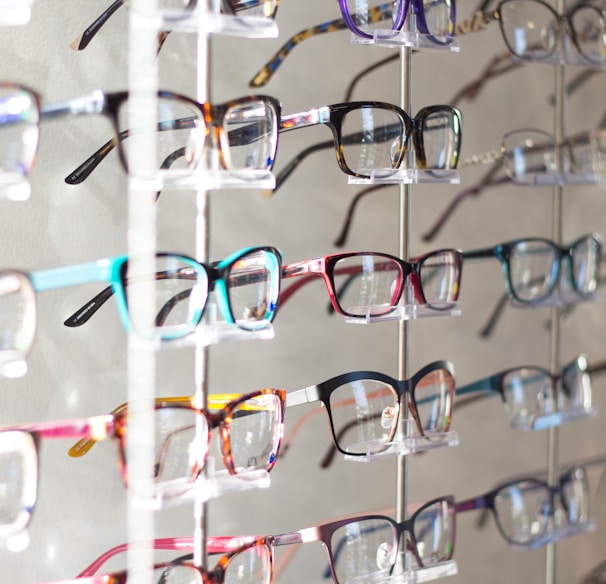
113, 270
502, 253
324, 268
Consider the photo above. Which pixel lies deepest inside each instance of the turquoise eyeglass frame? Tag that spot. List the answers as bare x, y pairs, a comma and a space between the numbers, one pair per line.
113, 271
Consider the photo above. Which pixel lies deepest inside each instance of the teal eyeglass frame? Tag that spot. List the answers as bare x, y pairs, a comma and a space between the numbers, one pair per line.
113, 271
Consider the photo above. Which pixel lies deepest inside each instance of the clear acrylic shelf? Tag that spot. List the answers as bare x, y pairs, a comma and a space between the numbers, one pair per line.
410, 574
554, 179
412, 39
15, 12
405, 176
375, 449
201, 20
214, 331
215, 484
566, 297
567, 55
409, 311
550, 419
558, 534
208, 180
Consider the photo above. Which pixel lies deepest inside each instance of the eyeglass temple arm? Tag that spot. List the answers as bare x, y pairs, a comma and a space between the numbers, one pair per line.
295, 162
85, 312
342, 237
99, 271
485, 182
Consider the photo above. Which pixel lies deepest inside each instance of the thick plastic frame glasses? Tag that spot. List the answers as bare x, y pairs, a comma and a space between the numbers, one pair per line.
24, 440
176, 571
408, 272
217, 277
561, 254
575, 477
397, 387
333, 116
208, 121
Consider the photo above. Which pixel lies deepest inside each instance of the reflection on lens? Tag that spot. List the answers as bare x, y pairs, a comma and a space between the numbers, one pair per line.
364, 415
523, 511
255, 433
251, 566
439, 17
533, 270
529, 392
367, 284
364, 14
364, 550
433, 394
253, 289
576, 384
575, 494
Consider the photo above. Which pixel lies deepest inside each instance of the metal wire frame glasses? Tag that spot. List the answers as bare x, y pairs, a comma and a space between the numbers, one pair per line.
180, 454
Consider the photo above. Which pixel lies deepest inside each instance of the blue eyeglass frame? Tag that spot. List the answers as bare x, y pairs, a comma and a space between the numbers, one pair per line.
113, 271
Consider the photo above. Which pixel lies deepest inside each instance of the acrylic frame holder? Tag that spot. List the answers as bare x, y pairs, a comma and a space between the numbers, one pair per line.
558, 534
549, 420
566, 297
211, 484
406, 176
410, 574
567, 57
213, 331
212, 21
410, 444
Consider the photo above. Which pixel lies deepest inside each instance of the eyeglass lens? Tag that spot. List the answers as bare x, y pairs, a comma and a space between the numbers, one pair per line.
532, 157
380, 139
17, 322
524, 509
440, 136
433, 394
251, 132
533, 269
585, 265
19, 472
19, 132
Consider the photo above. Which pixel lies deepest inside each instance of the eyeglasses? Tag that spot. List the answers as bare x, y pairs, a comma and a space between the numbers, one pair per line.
177, 10
529, 512
376, 14
371, 138
363, 406
531, 30
250, 430
532, 266
19, 134
568, 306
536, 398
369, 284
17, 322
529, 157
244, 132
247, 285
436, 19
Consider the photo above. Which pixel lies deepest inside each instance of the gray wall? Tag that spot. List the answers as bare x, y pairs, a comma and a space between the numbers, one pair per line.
73, 373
